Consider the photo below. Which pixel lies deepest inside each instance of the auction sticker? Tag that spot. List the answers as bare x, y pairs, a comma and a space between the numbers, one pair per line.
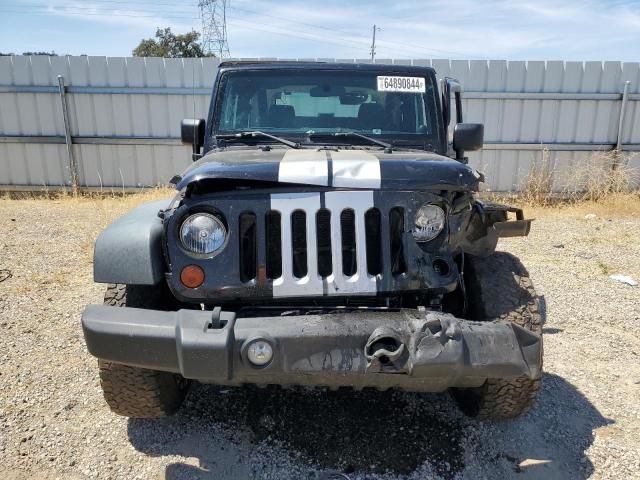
402, 84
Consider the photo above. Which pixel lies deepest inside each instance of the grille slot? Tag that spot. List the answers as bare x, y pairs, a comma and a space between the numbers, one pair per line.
323, 232
373, 239
248, 246
396, 232
299, 243
349, 248
273, 236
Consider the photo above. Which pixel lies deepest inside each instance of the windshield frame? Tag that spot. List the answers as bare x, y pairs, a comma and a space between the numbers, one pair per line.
409, 140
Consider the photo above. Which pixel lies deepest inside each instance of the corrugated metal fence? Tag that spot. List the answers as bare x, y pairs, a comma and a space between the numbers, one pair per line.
124, 115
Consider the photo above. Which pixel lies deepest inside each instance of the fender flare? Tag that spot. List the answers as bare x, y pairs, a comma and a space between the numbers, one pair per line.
129, 250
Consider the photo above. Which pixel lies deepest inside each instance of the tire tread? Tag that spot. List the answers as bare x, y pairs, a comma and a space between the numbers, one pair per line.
501, 290
132, 391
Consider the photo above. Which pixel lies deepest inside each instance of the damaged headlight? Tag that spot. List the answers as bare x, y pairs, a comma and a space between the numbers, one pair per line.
202, 233
429, 223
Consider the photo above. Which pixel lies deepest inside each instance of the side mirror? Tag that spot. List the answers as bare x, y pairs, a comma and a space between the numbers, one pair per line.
467, 136
449, 86
192, 133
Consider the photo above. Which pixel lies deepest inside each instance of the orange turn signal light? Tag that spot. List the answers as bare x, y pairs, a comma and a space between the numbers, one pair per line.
192, 276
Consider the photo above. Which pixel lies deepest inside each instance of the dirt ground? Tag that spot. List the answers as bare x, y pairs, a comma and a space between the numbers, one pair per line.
54, 423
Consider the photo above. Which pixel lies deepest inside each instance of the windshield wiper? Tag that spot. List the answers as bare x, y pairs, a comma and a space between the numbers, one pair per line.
387, 146
253, 134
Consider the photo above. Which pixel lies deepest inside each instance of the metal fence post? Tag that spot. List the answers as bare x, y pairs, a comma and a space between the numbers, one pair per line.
73, 168
623, 107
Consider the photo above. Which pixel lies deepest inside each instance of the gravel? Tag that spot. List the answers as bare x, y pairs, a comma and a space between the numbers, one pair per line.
54, 423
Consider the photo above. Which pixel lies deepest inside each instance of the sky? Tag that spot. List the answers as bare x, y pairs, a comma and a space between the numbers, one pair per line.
455, 29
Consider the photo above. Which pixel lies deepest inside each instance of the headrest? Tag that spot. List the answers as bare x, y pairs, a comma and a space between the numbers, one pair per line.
281, 115
371, 115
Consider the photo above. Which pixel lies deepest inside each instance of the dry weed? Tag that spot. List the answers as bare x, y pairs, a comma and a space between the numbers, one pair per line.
613, 205
605, 184
604, 174
121, 199
537, 186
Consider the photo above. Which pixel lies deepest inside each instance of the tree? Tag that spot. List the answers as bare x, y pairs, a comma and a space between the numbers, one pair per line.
50, 54
168, 44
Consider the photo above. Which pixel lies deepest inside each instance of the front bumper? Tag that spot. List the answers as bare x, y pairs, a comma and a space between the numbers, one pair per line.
409, 349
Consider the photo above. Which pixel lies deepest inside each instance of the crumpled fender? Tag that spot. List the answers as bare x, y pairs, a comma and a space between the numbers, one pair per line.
129, 250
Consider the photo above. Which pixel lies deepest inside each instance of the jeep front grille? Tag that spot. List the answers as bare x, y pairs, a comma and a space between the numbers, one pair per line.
336, 248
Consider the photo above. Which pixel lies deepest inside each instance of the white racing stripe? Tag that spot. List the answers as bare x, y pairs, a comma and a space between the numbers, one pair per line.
351, 168
355, 169
304, 166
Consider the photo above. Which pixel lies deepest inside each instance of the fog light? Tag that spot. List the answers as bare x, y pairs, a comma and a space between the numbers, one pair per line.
192, 276
260, 353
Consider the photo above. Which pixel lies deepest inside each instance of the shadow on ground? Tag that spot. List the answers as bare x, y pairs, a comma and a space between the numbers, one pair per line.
252, 433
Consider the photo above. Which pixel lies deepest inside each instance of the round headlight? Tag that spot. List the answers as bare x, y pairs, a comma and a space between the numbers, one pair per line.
429, 223
202, 233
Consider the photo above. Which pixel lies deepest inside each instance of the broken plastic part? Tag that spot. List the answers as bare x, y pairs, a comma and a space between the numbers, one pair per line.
385, 350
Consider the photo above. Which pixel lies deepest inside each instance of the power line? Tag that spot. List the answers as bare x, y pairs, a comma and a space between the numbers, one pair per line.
353, 38
97, 13
288, 19
362, 41
242, 23
334, 40
135, 3
289, 33
359, 38
139, 11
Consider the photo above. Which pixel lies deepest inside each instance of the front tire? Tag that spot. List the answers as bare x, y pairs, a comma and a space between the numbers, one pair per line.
499, 288
139, 392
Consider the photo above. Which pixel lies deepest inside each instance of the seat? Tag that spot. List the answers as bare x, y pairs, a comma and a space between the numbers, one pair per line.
281, 116
370, 116
407, 111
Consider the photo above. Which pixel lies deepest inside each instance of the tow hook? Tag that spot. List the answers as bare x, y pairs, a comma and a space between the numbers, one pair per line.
385, 351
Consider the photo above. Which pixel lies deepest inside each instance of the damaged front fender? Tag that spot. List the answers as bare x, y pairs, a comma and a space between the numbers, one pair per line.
487, 223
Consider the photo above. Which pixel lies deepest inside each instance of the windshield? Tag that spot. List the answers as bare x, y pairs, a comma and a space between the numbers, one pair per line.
311, 103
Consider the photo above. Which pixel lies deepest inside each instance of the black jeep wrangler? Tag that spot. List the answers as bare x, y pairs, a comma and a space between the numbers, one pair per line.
326, 235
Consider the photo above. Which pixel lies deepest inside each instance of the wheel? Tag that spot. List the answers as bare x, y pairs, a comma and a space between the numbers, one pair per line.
498, 288
139, 392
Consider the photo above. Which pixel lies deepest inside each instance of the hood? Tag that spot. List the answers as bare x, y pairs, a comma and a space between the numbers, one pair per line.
363, 169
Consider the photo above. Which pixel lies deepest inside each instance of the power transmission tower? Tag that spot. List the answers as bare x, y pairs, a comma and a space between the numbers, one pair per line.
213, 14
